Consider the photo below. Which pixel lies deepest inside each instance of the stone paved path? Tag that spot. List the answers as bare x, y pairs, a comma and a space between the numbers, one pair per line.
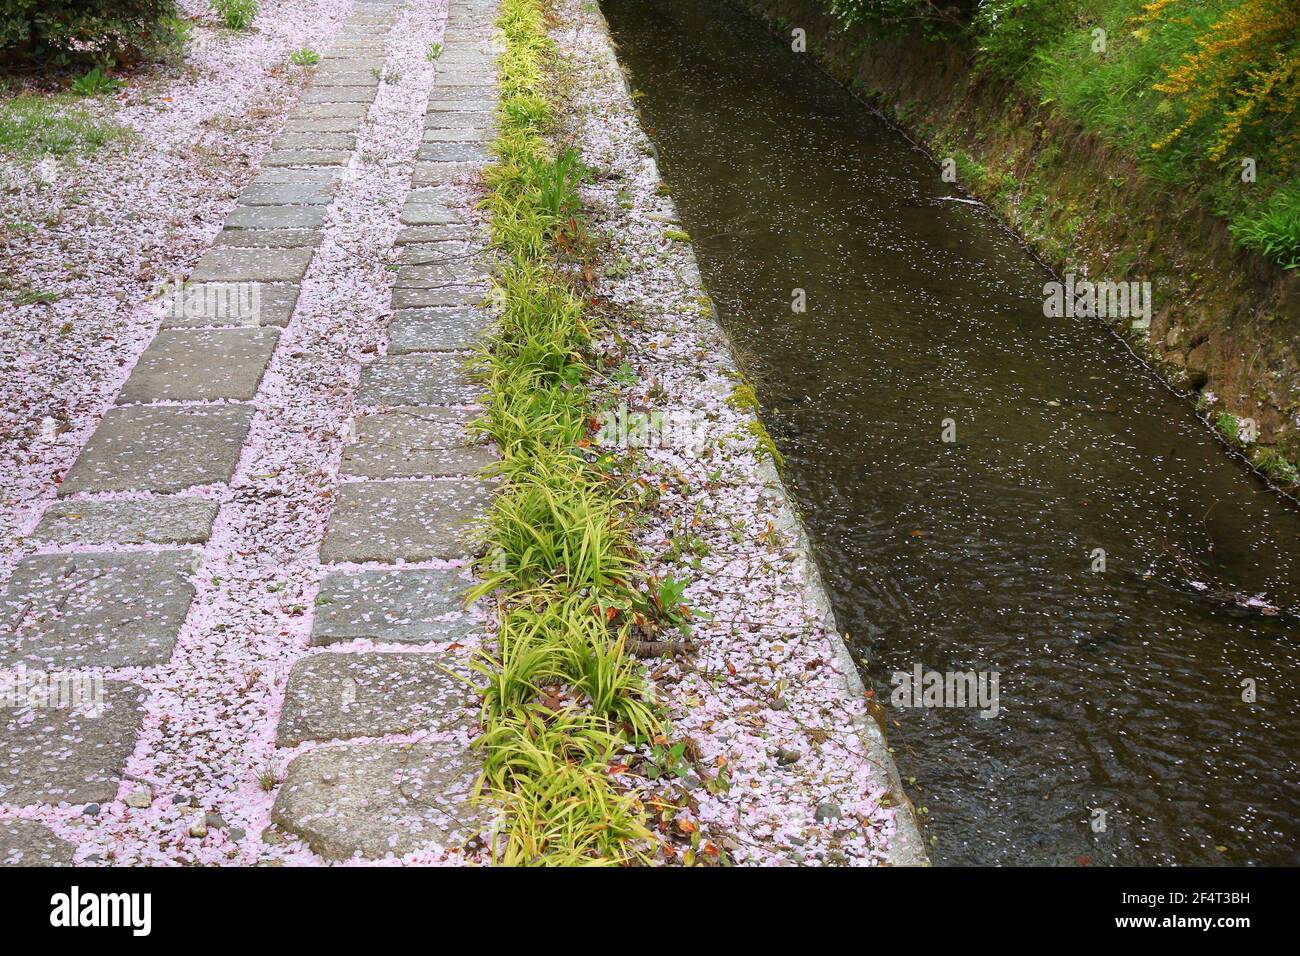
372, 727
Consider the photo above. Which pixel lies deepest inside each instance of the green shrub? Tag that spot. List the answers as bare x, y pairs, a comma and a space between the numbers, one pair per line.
1274, 228
236, 14
64, 32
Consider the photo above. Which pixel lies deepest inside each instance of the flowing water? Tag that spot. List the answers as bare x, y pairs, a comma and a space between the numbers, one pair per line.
1122, 734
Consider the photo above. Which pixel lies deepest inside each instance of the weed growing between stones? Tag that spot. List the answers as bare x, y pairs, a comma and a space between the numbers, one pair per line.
562, 698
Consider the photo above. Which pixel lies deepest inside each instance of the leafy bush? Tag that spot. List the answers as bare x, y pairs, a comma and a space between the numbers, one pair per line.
95, 83
1009, 33
62, 32
236, 14
1273, 229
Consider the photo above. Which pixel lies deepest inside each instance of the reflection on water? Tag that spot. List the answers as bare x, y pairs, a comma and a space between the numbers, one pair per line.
1120, 690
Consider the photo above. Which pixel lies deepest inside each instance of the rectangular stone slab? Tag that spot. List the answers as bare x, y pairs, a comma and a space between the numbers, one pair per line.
248, 304
269, 238
454, 119
280, 194
276, 217
437, 330
409, 606
151, 521
426, 379
325, 93
330, 110
64, 755
195, 365
439, 298
95, 609
344, 696
323, 124
428, 214
463, 135
317, 141
160, 448
28, 843
248, 265
389, 521
449, 250
437, 275
455, 233
415, 443
434, 174
457, 152
308, 157
376, 800
282, 175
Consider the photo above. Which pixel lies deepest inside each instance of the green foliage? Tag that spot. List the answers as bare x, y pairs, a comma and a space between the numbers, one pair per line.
1274, 228
95, 83
1009, 33
304, 57
236, 14
66, 32
32, 127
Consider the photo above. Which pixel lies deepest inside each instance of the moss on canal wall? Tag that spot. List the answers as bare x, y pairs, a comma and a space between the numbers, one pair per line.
1226, 323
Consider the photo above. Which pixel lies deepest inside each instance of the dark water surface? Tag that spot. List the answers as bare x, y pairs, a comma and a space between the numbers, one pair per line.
1120, 691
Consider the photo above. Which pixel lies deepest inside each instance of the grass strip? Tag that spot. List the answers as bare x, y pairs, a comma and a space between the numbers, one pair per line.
561, 699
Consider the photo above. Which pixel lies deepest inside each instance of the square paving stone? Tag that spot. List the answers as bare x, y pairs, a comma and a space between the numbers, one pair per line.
28, 843
308, 157
206, 304
95, 609
458, 152
276, 217
390, 521
198, 365
253, 265
151, 521
436, 275
280, 194
437, 330
415, 443
160, 448
67, 755
344, 696
409, 606
439, 298
373, 800
425, 379
269, 238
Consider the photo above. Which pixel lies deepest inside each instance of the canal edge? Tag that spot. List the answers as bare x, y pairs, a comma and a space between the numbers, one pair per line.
906, 847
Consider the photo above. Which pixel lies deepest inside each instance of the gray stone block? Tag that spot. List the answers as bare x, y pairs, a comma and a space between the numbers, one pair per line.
150, 521
95, 609
437, 275
268, 238
428, 214
466, 134
28, 843
434, 253
453, 152
454, 233
353, 111
308, 157
254, 265
437, 330
317, 141
208, 304
345, 696
425, 379
325, 93
282, 194
439, 174
276, 217
460, 119
390, 521
372, 800
324, 124
415, 443
198, 365
409, 606
160, 448
439, 298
